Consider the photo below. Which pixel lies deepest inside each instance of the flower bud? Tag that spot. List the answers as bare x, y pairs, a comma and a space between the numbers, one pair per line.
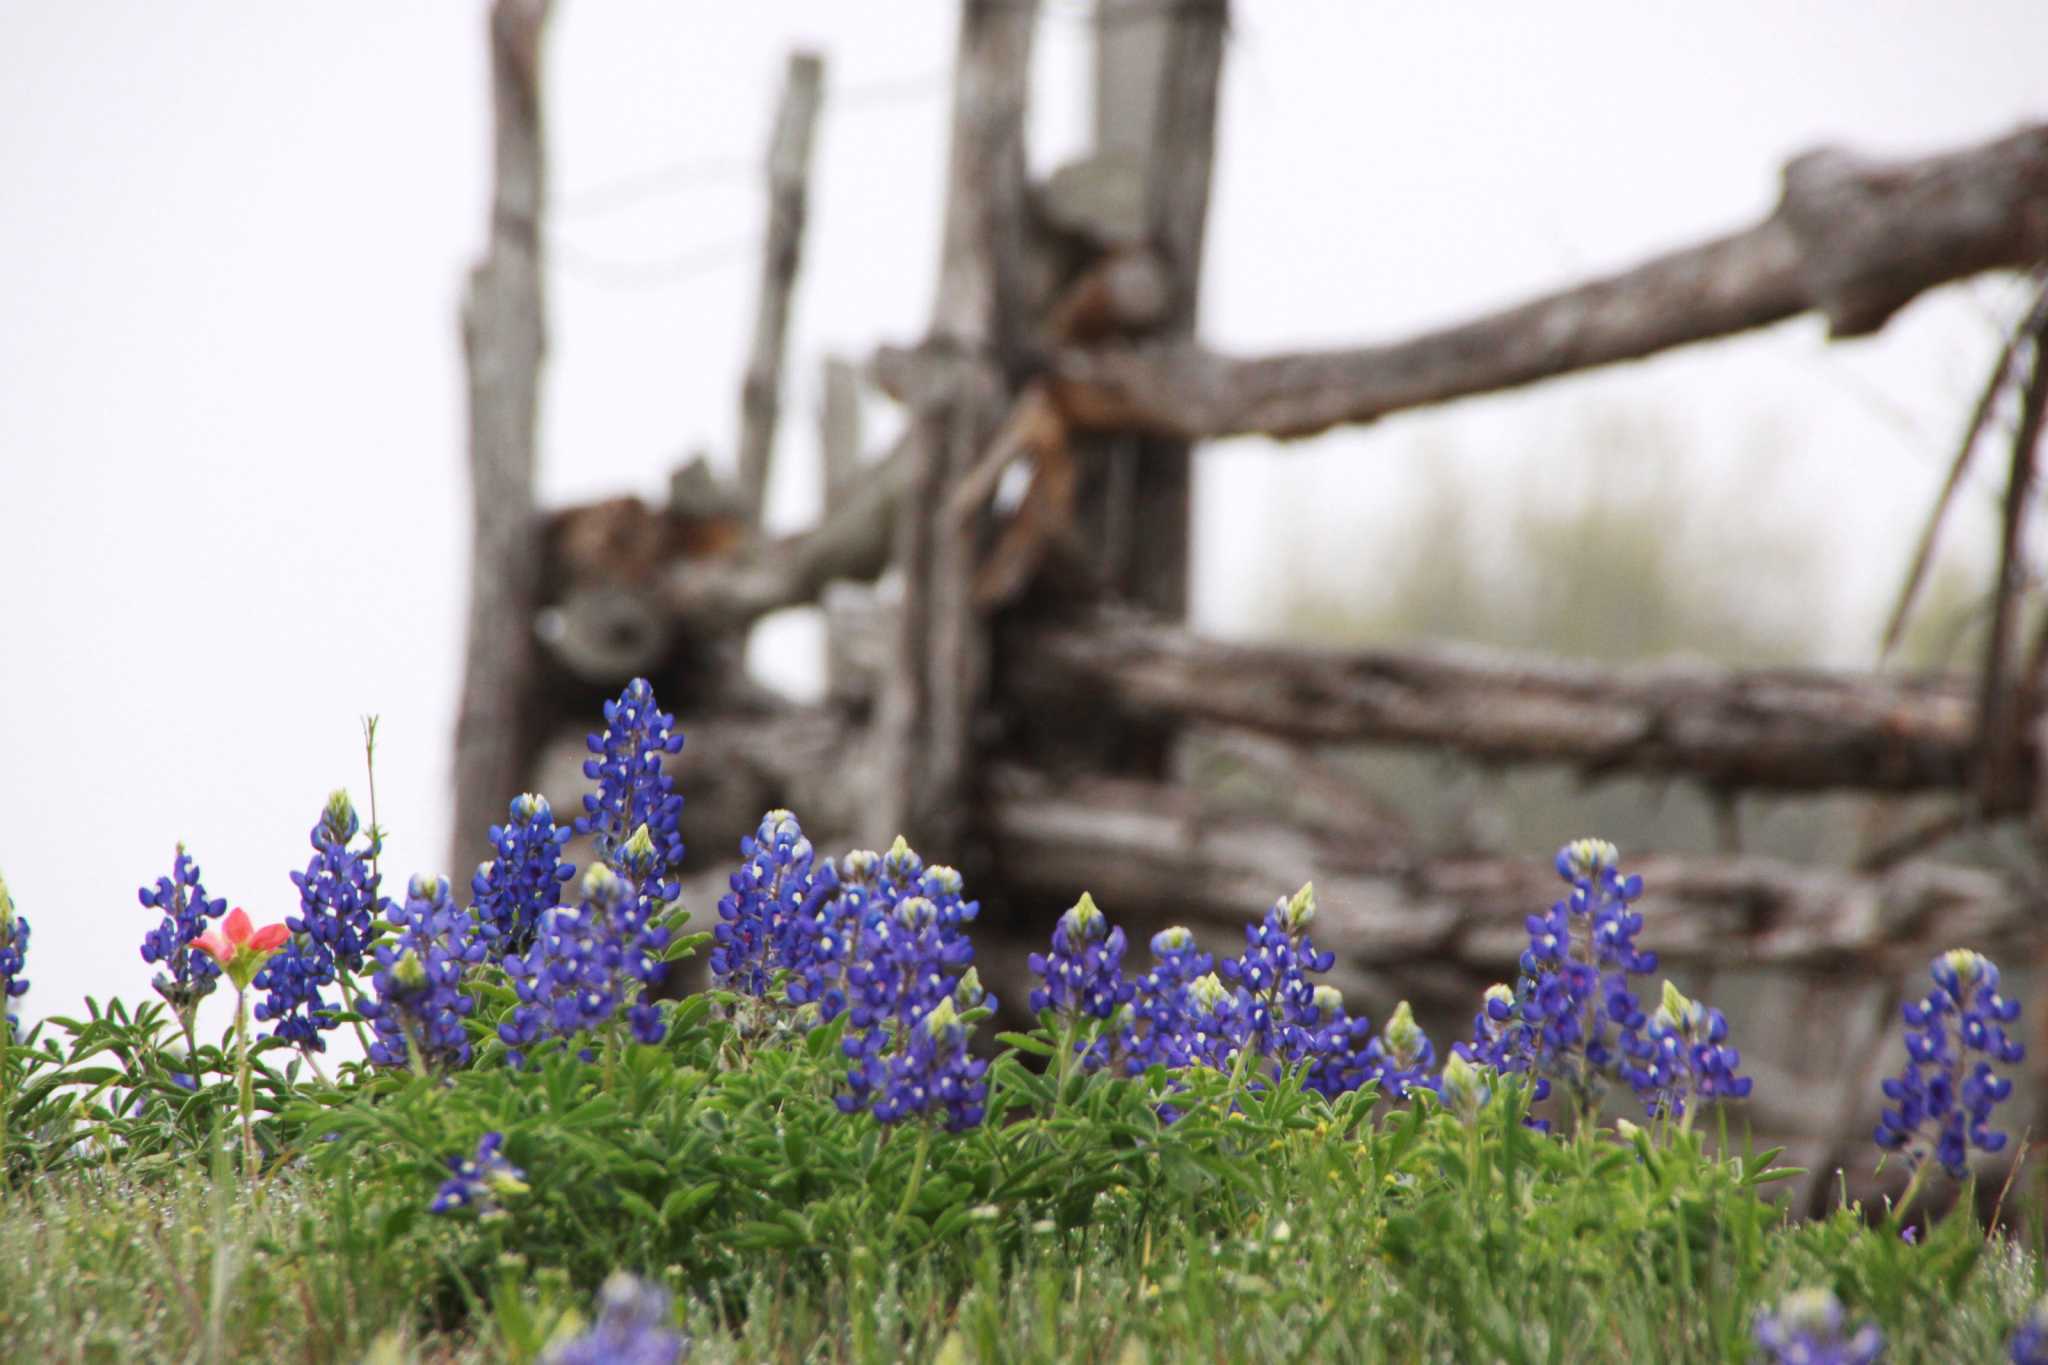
1583, 859
1300, 909
1465, 1087
1083, 921
1209, 993
901, 862
408, 973
424, 887
915, 912
967, 993
1329, 1002
942, 1018
339, 819
942, 881
529, 807
1404, 1035
601, 885
1167, 942
859, 867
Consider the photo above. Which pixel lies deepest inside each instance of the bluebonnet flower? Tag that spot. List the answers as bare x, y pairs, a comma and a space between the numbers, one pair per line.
930, 1070
338, 901
634, 1327
13, 957
1274, 1009
1682, 1053
515, 890
770, 921
1575, 995
419, 979
633, 792
2029, 1345
1807, 1330
590, 963
1464, 1088
1083, 974
1162, 1002
1402, 1056
182, 900
1942, 1096
479, 1181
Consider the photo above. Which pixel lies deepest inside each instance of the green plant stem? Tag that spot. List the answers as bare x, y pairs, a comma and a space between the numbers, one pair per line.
6, 1086
924, 1148
1066, 1063
348, 994
1912, 1191
245, 1091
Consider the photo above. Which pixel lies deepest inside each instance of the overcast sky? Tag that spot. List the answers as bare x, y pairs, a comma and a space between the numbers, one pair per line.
231, 424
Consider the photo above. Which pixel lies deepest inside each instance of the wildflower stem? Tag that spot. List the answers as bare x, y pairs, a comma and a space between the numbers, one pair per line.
1068, 1028
244, 1090
348, 992
924, 1147
6, 1085
1912, 1190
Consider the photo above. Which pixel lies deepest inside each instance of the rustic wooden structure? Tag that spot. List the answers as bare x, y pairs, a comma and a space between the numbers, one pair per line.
1014, 687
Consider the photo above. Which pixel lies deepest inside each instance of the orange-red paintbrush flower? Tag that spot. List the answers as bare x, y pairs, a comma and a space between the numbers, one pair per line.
239, 947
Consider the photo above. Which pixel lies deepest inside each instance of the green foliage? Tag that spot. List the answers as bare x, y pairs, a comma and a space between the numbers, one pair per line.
1267, 1223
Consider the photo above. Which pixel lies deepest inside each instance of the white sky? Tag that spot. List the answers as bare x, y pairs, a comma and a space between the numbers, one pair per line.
232, 508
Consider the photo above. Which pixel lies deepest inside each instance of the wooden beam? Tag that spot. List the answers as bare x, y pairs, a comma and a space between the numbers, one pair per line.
1852, 239
1787, 730
504, 335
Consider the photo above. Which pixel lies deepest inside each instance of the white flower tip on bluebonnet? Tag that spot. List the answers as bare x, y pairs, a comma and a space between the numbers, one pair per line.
600, 883
1300, 908
901, 856
1813, 1310
914, 912
859, 865
409, 972
1499, 992
1404, 1035
1465, 1087
1084, 920
942, 1018
968, 992
528, 807
1208, 992
1328, 1000
945, 880
640, 847
1586, 857
1172, 940
426, 887
1966, 965
1674, 1011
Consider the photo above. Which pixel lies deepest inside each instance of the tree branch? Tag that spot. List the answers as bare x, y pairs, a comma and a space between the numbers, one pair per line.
1765, 729
1852, 239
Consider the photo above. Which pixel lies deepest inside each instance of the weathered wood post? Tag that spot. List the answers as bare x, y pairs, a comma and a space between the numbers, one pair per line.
789, 172
936, 689
504, 335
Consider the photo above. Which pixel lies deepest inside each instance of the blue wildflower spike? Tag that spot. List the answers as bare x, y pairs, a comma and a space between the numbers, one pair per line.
632, 790
1807, 1329
2029, 1344
479, 1181
419, 980
931, 1071
591, 963
13, 957
338, 901
1162, 1002
635, 1326
516, 890
774, 919
1682, 1054
1575, 994
1943, 1099
1083, 975
189, 976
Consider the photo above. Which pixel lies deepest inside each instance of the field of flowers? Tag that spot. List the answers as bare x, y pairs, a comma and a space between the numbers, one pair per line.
830, 1155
